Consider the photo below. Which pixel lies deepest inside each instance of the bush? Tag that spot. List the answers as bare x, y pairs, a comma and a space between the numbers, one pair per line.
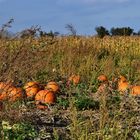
124, 31
84, 102
101, 31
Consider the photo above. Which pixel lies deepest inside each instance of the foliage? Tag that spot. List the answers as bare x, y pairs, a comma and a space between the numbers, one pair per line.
83, 102
101, 31
71, 28
123, 31
4, 33
136, 135
62, 102
31, 32
19, 131
79, 112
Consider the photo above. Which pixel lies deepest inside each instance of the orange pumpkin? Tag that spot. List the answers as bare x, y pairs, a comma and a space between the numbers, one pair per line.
135, 90
31, 89
75, 79
12, 94
52, 86
102, 78
45, 97
4, 87
123, 85
15, 94
3, 95
30, 84
122, 78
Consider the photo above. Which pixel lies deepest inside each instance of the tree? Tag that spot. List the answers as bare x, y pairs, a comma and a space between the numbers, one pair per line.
123, 31
30, 32
101, 31
4, 33
71, 28
49, 34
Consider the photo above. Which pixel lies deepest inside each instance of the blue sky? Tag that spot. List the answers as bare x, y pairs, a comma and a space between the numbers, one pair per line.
84, 15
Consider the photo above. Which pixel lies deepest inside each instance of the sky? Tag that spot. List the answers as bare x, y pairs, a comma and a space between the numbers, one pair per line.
84, 15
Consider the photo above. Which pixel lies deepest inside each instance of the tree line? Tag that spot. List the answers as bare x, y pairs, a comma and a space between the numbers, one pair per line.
118, 31
36, 31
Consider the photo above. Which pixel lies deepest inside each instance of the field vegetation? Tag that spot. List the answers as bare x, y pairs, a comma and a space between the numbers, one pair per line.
81, 111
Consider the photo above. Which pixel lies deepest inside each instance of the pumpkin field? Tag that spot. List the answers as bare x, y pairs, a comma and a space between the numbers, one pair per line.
70, 88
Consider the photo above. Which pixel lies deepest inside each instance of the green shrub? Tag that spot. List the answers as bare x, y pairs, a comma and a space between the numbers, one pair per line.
84, 102
62, 102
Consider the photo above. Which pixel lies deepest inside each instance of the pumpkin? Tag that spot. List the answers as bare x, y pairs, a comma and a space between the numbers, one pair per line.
15, 94
52, 86
30, 84
122, 78
3, 95
4, 87
44, 97
135, 90
12, 94
31, 89
75, 79
123, 85
102, 78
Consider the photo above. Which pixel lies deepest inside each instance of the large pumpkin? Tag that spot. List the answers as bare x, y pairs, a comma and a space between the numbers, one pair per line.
44, 97
4, 88
12, 94
15, 94
75, 79
135, 90
52, 86
31, 89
